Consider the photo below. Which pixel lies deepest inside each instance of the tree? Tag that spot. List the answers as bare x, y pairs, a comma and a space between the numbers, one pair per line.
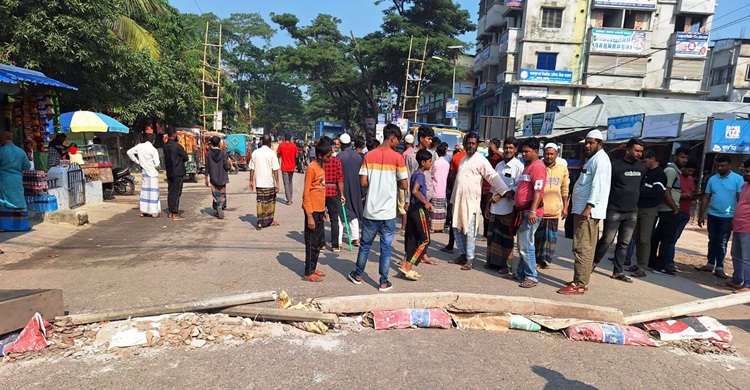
125, 27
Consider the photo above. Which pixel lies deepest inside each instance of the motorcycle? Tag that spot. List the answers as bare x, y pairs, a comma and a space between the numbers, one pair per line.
301, 161
124, 183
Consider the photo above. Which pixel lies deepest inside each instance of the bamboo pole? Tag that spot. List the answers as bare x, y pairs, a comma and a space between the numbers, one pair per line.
699, 306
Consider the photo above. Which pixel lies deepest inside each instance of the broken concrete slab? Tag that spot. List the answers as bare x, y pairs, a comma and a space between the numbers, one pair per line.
18, 306
73, 217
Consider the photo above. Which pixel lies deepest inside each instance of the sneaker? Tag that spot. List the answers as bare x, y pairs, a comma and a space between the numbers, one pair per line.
663, 272
385, 287
354, 278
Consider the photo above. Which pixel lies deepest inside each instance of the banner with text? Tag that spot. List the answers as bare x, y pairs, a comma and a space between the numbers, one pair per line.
451, 108
620, 41
538, 124
691, 44
624, 127
632, 4
731, 137
662, 126
546, 76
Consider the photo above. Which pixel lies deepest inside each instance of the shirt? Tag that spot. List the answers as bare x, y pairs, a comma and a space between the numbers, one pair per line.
288, 152
145, 155
467, 191
54, 153
592, 187
509, 172
558, 186
13, 160
687, 187
409, 149
440, 169
653, 186
456, 160
384, 168
334, 175
531, 182
410, 159
314, 193
175, 158
264, 162
723, 191
417, 178
673, 186
741, 222
625, 188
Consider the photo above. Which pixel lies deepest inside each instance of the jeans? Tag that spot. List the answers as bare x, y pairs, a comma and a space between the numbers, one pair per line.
644, 231
741, 258
631, 249
622, 225
525, 239
371, 228
662, 243
174, 191
314, 239
287, 178
466, 242
333, 206
719, 230
680, 221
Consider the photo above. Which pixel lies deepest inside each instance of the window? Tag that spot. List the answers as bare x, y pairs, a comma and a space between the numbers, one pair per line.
552, 104
747, 73
690, 23
635, 20
729, 75
612, 18
718, 77
546, 61
551, 17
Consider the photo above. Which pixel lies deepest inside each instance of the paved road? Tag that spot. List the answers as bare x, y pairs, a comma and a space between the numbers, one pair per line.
130, 261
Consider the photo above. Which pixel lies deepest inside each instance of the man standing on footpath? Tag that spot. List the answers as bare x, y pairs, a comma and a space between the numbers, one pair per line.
661, 259
402, 195
458, 155
652, 189
351, 162
147, 158
287, 151
334, 195
313, 204
175, 158
622, 208
383, 174
720, 200
499, 235
741, 237
13, 161
590, 198
556, 193
687, 196
264, 176
529, 204
467, 194
424, 135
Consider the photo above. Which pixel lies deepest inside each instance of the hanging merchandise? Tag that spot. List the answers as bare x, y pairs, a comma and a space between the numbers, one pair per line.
31, 115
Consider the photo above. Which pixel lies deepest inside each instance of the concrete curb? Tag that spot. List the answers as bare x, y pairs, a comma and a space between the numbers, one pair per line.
73, 217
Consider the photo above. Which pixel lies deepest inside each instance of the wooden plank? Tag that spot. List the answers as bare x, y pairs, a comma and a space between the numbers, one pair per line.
18, 306
280, 314
467, 302
694, 307
181, 307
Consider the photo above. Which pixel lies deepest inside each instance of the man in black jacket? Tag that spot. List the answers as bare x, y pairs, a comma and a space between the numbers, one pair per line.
653, 186
175, 158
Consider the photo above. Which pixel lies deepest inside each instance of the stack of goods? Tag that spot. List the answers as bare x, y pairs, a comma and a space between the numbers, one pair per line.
97, 154
33, 115
35, 187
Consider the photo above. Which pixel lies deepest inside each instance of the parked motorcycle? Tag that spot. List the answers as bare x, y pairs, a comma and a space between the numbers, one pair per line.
124, 183
301, 162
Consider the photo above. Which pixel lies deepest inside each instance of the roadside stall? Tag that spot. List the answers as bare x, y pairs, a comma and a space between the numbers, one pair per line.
189, 139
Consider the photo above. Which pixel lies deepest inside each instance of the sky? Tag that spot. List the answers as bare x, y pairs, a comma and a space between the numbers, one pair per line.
363, 16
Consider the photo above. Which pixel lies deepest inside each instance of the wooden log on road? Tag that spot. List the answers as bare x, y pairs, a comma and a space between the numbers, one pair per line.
280, 314
695, 307
469, 303
181, 307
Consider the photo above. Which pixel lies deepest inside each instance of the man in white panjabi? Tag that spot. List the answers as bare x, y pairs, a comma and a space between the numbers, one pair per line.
145, 155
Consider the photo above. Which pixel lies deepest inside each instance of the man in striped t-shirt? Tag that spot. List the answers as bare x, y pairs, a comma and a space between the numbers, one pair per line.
383, 172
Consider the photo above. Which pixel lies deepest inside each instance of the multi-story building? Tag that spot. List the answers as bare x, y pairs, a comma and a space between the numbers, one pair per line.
432, 101
535, 55
728, 72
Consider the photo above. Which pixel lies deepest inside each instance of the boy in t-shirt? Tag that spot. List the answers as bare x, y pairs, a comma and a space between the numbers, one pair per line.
314, 205
417, 236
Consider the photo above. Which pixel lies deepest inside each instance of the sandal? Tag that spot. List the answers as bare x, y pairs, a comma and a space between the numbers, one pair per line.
528, 284
446, 249
741, 290
409, 274
469, 265
258, 226
622, 277
429, 262
634, 268
460, 260
274, 223
639, 273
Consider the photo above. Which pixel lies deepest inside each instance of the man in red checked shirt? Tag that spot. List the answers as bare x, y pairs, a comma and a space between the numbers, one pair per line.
287, 150
334, 197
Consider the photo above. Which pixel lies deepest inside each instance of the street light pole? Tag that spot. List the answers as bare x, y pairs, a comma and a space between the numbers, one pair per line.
454, 120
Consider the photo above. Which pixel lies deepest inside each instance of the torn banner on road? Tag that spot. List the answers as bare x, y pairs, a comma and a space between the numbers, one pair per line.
406, 318
609, 333
690, 328
33, 337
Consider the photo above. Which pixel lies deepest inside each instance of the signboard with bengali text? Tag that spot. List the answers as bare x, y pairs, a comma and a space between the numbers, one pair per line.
619, 41
546, 76
690, 44
729, 136
624, 127
631, 4
662, 126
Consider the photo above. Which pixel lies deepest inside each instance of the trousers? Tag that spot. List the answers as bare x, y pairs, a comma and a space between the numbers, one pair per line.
174, 192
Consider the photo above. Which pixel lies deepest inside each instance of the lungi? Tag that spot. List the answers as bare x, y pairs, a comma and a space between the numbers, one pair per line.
266, 206
150, 202
500, 241
439, 213
220, 196
545, 240
14, 220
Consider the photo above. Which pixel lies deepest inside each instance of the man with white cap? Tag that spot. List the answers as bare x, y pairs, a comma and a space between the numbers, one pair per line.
590, 200
351, 162
555, 206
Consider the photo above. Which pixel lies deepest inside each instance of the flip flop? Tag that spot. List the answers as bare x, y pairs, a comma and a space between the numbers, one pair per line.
408, 274
430, 262
274, 223
622, 277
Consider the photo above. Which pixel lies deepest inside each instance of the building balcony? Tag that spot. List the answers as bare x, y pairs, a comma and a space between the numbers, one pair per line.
485, 87
490, 55
716, 92
701, 7
492, 19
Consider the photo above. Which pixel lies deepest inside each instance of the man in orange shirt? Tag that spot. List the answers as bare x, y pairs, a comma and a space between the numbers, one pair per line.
314, 205
287, 150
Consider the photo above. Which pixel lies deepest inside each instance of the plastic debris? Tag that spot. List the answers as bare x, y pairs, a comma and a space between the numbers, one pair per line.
406, 318
609, 333
523, 323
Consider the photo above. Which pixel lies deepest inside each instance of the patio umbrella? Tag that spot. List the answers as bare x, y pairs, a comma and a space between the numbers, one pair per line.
89, 122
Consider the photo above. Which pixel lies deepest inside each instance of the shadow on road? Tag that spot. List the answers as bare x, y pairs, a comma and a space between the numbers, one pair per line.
555, 380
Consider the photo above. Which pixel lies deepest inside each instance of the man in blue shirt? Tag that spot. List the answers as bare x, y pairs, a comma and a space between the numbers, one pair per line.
13, 161
720, 200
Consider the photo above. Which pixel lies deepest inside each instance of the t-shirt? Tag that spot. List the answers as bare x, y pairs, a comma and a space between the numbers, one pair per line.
456, 160
509, 172
440, 178
417, 177
494, 160
288, 152
673, 181
741, 222
687, 187
383, 167
264, 161
532, 181
314, 194
625, 189
723, 191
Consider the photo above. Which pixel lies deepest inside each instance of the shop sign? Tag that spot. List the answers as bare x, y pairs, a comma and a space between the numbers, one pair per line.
533, 92
464, 88
662, 126
503, 44
514, 3
691, 44
546, 76
538, 124
630, 4
619, 41
731, 137
486, 52
624, 127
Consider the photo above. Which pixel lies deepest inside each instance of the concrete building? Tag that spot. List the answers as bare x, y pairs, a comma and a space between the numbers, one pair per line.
432, 101
536, 55
728, 72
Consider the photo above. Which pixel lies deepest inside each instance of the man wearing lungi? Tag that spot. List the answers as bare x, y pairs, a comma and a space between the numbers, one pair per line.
145, 155
264, 175
499, 235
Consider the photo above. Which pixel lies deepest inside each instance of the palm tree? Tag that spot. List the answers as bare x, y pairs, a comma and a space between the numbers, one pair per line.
126, 29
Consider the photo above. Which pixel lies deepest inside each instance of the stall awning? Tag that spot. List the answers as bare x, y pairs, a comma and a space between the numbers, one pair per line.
13, 75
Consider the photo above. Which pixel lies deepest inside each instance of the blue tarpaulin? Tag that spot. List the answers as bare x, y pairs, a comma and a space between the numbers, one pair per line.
13, 75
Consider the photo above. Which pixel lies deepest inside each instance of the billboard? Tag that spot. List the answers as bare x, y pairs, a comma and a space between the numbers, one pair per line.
619, 41
624, 127
538, 124
464, 88
631, 4
546, 76
729, 136
662, 126
451, 108
691, 44
533, 92
514, 3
